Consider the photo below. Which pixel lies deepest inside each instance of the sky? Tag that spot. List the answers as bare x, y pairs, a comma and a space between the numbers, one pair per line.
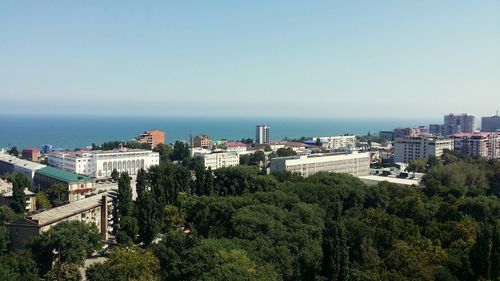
327, 59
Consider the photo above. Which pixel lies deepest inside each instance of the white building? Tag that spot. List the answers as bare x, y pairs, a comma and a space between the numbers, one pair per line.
218, 160
10, 164
337, 142
409, 149
100, 164
354, 163
262, 134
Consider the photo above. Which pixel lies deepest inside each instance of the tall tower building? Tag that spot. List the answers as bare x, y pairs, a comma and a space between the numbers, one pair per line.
490, 124
262, 134
459, 123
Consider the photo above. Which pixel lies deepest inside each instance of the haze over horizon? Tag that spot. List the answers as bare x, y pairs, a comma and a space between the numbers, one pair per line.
353, 59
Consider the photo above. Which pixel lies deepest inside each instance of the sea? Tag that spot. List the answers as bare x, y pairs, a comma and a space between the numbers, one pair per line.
69, 132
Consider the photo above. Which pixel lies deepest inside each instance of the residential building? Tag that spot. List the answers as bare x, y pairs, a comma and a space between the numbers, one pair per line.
386, 135
484, 144
413, 148
31, 154
216, 160
406, 132
236, 146
77, 186
6, 196
354, 163
10, 164
96, 210
459, 123
336, 142
262, 134
99, 164
152, 137
437, 129
202, 141
490, 124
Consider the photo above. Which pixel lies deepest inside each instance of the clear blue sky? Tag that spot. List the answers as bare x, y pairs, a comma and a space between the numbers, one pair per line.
250, 58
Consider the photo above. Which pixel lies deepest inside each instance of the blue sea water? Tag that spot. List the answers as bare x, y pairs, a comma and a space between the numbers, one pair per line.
79, 131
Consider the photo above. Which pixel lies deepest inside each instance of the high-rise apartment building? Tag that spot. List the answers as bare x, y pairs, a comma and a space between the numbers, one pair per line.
413, 148
482, 144
152, 137
262, 134
459, 123
490, 124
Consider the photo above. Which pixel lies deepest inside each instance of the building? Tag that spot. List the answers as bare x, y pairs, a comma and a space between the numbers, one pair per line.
335, 142
236, 146
6, 196
386, 135
459, 123
31, 154
152, 137
437, 129
202, 141
216, 160
262, 134
10, 164
413, 148
78, 186
354, 163
406, 132
376, 179
490, 124
96, 210
484, 144
99, 164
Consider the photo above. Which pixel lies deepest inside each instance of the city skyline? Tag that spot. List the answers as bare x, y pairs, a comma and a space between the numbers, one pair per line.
282, 59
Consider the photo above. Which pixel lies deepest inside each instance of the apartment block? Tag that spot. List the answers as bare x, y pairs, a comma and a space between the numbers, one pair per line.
152, 137
202, 141
413, 148
482, 144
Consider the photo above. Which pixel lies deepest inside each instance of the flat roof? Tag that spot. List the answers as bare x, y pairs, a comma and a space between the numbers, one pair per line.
374, 179
20, 162
62, 175
68, 210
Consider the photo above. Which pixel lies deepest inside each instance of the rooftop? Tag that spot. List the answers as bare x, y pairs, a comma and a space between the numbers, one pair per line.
62, 175
68, 210
20, 162
374, 179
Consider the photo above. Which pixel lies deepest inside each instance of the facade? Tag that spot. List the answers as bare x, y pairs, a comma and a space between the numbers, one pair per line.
236, 146
6, 196
406, 132
459, 123
100, 164
202, 141
96, 210
490, 124
10, 164
354, 163
78, 186
31, 154
477, 144
218, 160
336, 142
437, 129
152, 137
386, 135
262, 134
409, 149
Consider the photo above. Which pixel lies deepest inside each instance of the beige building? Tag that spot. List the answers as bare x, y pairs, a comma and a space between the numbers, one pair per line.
216, 160
6, 196
77, 186
354, 163
484, 144
96, 210
202, 141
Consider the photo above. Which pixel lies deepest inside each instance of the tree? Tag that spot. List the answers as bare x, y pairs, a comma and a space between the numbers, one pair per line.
285, 152
485, 254
173, 218
115, 175
165, 152
19, 183
336, 252
64, 272
148, 217
123, 208
66, 242
42, 201
181, 151
129, 229
132, 264
18, 266
57, 194
418, 166
13, 151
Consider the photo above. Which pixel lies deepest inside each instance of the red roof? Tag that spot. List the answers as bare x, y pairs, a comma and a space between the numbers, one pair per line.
235, 144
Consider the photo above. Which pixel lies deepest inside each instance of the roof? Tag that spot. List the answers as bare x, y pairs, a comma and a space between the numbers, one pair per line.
68, 210
31, 149
20, 162
62, 175
234, 144
374, 179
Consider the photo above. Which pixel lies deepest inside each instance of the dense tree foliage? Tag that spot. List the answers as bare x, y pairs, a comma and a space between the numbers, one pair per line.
57, 194
42, 201
19, 183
